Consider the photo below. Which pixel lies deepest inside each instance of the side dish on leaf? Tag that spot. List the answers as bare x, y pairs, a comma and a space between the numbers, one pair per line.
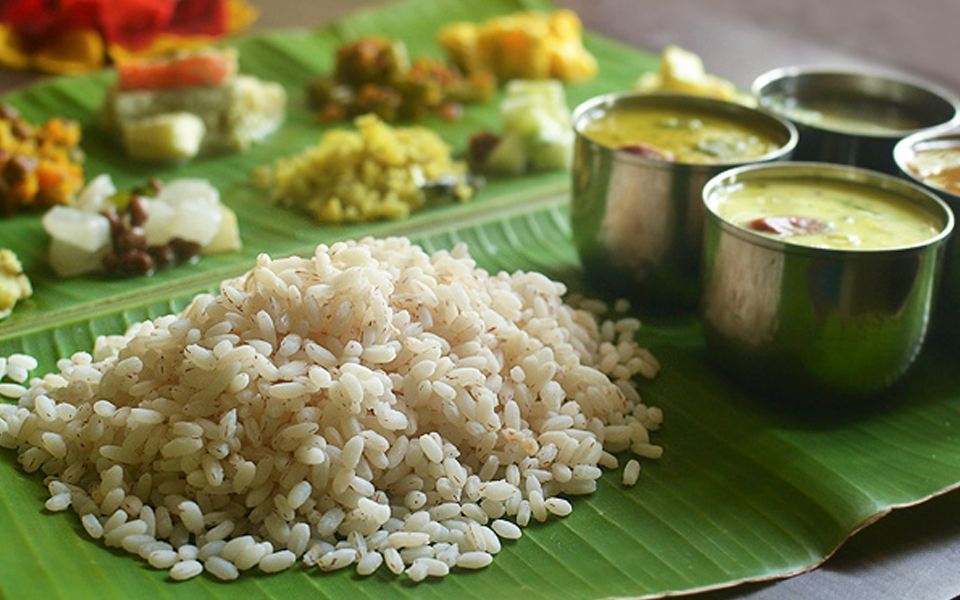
39, 164
375, 173
189, 103
375, 75
136, 232
682, 71
524, 45
537, 135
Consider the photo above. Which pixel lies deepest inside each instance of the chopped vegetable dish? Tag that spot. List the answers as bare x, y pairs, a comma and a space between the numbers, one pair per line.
375, 75
139, 231
537, 134
39, 165
189, 103
377, 172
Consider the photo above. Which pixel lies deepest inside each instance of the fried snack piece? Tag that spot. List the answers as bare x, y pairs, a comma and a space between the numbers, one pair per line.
524, 45
682, 71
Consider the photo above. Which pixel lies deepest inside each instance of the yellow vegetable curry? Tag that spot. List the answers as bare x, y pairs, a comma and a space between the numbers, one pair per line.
681, 135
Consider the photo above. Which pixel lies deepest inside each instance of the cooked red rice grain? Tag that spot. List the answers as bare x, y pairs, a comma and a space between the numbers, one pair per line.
338, 559
370, 404
277, 561
474, 560
186, 569
58, 502
631, 472
92, 526
369, 563
221, 568
162, 559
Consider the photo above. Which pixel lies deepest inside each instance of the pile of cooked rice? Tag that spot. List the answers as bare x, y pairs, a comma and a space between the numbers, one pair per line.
372, 405
377, 172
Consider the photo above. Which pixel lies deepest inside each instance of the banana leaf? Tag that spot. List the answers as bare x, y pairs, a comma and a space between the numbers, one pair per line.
743, 492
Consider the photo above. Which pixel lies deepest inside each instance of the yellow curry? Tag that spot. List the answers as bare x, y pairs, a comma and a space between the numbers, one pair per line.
681, 135
826, 214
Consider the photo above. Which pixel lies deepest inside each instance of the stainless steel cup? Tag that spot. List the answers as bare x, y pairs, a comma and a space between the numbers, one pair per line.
812, 323
947, 308
791, 92
638, 221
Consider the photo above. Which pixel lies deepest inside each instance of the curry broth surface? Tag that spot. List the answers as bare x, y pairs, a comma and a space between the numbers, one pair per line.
688, 136
859, 217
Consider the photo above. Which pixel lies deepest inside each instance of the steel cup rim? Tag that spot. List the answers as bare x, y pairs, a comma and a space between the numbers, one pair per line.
813, 70
578, 120
838, 173
908, 144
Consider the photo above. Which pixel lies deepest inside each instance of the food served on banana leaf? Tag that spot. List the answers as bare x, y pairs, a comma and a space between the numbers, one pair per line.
682, 71
376, 172
177, 107
415, 412
537, 134
14, 285
375, 75
525, 45
136, 232
39, 164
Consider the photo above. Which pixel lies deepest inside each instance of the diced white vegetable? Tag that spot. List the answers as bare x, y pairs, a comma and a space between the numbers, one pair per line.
525, 115
168, 136
550, 89
87, 231
228, 236
196, 222
537, 134
157, 227
547, 93
189, 191
95, 193
189, 209
69, 260
552, 154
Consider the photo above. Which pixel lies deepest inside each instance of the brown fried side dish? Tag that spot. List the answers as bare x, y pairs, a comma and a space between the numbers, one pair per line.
375, 75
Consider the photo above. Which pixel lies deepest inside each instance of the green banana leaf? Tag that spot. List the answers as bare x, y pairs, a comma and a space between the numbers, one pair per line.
743, 491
